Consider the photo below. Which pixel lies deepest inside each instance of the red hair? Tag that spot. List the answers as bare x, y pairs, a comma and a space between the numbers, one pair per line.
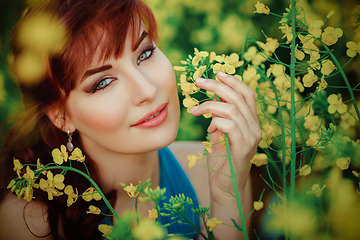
91, 25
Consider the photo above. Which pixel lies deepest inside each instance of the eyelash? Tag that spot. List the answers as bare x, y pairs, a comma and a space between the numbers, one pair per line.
147, 49
96, 85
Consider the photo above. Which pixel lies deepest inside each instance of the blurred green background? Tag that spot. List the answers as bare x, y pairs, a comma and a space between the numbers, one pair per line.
211, 25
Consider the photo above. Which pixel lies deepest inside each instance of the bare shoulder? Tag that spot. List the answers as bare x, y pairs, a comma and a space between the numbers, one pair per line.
23, 220
198, 174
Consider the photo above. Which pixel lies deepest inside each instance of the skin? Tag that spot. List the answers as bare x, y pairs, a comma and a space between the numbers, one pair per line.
136, 84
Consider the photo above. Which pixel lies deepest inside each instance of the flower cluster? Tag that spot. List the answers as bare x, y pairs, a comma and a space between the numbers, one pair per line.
52, 184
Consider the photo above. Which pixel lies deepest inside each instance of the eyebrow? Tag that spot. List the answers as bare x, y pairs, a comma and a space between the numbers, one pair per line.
142, 37
93, 71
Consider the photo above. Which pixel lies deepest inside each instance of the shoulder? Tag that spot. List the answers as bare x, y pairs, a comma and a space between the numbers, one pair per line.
198, 174
23, 220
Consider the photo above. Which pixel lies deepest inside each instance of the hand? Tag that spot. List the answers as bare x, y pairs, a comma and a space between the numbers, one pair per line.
235, 115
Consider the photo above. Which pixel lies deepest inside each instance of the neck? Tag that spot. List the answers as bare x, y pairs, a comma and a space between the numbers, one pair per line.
115, 168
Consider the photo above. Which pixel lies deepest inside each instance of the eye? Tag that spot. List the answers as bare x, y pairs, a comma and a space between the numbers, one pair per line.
102, 83
145, 54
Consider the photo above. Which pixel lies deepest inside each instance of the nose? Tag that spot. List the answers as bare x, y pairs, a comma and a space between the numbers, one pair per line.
143, 90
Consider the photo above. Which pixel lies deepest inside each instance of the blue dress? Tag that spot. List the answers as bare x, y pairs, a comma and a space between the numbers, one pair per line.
174, 179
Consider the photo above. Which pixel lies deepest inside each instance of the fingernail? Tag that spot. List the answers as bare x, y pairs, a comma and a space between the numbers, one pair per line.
221, 74
194, 109
200, 80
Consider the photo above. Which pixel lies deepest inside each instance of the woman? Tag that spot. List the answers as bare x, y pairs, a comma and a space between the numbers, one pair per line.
111, 92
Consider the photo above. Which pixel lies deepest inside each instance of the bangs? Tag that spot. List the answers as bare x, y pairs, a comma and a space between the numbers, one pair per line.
102, 30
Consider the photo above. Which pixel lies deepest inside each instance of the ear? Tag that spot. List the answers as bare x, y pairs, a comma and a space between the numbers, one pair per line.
59, 118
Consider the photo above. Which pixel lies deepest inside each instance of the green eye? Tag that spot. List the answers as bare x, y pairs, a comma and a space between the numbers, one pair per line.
103, 83
144, 56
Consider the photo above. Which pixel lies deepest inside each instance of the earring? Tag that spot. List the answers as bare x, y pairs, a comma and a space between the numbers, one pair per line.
69, 144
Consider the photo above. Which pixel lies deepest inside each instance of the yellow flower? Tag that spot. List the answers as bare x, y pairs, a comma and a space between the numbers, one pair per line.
322, 84
131, 190
198, 56
213, 223
72, 196
305, 170
343, 163
198, 72
267, 135
208, 146
193, 159
250, 53
287, 31
331, 35
259, 159
353, 48
60, 156
315, 28
77, 155
148, 230
327, 67
187, 87
52, 184
270, 46
179, 68
300, 55
312, 122
258, 205
313, 139
91, 194
29, 175
190, 102
261, 8
28, 194
153, 214
105, 229
222, 141
310, 78
93, 210
17, 166
336, 104
250, 75
40, 166
233, 60
316, 190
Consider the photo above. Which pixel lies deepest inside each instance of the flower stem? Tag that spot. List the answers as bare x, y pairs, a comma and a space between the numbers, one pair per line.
93, 184
236, 189
193, 225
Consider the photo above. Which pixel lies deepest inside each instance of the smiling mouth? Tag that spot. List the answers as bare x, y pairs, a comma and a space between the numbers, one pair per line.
153, 118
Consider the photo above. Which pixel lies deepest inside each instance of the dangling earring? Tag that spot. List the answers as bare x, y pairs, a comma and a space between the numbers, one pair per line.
69, 144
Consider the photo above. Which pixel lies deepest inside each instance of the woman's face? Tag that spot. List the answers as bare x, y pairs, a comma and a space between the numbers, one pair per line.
127, 104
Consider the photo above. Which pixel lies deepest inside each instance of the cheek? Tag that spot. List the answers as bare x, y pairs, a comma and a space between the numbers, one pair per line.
100, 115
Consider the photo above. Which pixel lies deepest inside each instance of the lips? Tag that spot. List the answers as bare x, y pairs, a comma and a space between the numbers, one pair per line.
153, 118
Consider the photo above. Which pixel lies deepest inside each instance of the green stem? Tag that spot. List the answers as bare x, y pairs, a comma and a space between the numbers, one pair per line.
236, 189
92, 183
193, 225
292, 109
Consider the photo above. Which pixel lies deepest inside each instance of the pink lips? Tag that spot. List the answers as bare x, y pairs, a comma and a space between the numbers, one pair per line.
153, 118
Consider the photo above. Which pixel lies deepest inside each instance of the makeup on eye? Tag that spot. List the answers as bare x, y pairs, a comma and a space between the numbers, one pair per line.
102, 83
146, 53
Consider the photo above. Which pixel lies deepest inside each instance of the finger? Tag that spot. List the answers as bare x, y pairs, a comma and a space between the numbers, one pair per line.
247, 93
231, 96
223, 110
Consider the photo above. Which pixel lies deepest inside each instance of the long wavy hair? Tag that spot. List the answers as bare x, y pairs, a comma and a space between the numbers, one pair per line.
91, 25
